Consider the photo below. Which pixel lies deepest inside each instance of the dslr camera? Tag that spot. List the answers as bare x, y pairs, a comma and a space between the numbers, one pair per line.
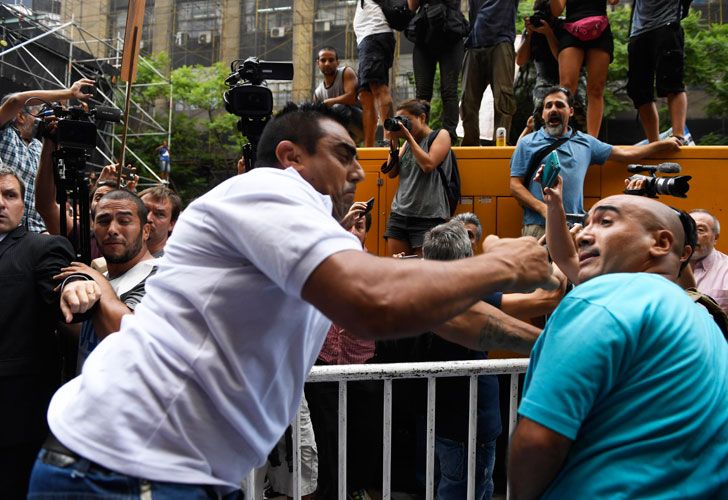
673, 186
392, 124
537, 18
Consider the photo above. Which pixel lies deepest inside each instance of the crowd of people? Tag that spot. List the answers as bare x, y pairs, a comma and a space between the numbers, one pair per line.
196, 328
570, 42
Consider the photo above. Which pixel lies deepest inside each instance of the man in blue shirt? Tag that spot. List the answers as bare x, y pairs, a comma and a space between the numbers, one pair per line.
626, 395
575, 156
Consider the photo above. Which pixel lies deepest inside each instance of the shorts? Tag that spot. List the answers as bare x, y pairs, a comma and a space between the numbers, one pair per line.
535, 230
280, 476
164, 166
410, 229
656, 59
605, 42
376, 54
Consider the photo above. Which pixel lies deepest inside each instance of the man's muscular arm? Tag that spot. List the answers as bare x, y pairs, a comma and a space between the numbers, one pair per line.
379, 298
15, 102
536, 456
484, 328
349, 96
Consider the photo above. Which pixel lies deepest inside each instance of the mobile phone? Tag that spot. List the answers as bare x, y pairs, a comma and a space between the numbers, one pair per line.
572, 219
87, 89
551, 169
370, 206
415, 256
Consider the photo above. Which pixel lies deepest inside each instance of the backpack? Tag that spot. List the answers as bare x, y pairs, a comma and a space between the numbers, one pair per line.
396, 12
451, 185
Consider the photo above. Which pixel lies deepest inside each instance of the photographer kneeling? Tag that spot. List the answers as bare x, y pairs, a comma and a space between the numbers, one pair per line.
420, 202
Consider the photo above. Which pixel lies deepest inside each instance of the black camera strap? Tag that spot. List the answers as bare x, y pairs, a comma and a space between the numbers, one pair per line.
539, 155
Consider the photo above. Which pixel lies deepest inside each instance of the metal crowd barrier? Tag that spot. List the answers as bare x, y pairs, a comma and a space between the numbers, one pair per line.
388, 372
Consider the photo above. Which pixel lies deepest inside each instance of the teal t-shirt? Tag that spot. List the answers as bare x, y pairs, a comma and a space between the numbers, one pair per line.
636, 375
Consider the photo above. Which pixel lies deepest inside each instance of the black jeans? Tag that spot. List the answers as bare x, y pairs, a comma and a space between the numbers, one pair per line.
450, 59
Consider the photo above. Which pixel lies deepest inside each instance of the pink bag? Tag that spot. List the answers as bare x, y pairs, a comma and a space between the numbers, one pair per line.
589, 28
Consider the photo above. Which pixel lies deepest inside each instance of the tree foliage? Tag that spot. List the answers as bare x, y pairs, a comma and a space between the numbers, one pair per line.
205, 144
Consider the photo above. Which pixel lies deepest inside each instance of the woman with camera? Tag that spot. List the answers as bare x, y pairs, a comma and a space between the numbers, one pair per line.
540, 44
420, 202
586, 39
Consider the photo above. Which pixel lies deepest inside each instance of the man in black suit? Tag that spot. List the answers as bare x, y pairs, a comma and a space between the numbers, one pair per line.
29, 361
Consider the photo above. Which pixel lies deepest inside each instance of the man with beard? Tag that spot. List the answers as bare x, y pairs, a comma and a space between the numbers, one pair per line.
121, 230
338, 89
576, 152
205, 376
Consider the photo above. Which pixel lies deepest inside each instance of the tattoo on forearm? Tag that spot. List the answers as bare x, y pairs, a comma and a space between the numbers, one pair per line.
493, 334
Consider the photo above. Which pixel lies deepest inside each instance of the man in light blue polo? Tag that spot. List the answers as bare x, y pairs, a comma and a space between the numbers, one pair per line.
575, 156
626, 394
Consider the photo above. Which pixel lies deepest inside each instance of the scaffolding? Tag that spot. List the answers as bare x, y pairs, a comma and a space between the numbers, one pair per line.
23, 31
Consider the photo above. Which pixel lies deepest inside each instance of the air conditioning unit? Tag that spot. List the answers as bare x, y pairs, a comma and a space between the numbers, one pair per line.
323, 24
180, 38
278, 32
205, 37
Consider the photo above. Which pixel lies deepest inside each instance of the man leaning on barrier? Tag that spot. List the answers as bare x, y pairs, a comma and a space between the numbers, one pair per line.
626, 394
205, 376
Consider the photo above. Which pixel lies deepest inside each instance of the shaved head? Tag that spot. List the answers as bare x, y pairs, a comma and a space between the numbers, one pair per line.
629, 234
653, 215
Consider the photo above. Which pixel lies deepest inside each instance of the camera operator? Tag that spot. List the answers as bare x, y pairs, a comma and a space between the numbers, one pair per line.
46, 189
19, 149
576, 152
420, 202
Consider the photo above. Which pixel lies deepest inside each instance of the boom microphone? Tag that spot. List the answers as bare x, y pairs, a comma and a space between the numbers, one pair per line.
669, 168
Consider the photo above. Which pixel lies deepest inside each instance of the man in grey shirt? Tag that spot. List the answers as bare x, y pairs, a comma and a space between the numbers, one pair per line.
338, 89
656, 53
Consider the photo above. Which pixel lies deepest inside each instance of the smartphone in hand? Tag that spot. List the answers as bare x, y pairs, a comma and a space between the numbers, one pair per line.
370, 206
551, 169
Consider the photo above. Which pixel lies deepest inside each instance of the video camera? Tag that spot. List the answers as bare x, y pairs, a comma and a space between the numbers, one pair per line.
76, 127
674, 186
250, 98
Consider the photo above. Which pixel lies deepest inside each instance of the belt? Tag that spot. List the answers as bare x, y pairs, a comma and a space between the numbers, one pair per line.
58, 454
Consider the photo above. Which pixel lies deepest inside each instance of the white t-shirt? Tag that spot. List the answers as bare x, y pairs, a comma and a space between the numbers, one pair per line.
369, 20
204, 378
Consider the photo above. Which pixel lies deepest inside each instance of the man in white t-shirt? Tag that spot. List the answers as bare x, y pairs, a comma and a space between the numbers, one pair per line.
121, 231
201, 382
375, 51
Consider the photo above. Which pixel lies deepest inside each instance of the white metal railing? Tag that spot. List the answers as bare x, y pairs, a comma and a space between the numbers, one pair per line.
388, 372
